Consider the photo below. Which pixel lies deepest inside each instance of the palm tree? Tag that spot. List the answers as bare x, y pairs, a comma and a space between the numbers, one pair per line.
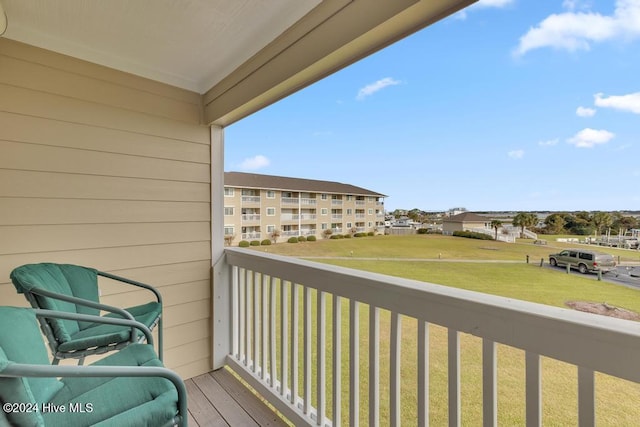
496, 224
525, 219
601, 219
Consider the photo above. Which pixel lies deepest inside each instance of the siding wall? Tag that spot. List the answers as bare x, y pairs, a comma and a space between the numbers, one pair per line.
106, 169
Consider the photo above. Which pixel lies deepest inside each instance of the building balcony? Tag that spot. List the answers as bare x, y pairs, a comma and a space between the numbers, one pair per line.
336, 202
308, 217
250, 200
289, 217
291, 233
360, 202
360, 216
336, 216
251, 236
290, 201
308, 201
275, 327
251, 218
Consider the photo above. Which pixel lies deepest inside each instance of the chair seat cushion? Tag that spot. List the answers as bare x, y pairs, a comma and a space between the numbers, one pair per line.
98, 334
118, 401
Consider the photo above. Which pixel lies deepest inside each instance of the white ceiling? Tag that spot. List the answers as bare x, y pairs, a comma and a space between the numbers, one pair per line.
191, 44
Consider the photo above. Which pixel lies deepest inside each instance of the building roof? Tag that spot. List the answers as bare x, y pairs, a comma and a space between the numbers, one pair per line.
271, 182
466, 217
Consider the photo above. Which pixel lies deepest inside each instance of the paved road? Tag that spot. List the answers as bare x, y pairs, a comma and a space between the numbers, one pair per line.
620, 277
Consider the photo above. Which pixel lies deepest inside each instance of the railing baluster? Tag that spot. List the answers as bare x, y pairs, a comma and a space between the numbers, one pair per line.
242, 331
294, 343
321, 325
256, 321
272, 333
423, 373
374, 366
284, 340
354, 363
454, 378
235, 309
307, 350
247, 320
586, 397
337, 360
533, 390
264, 339
394, 371
489, 384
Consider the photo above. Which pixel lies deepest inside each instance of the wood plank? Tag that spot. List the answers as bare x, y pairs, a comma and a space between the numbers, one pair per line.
21, 128
44, 158
187, 313
187, 353
167, 275
21, 73
260, 412
49, 238
107, 259
230, 410
43, 211
14, 183
35, 103
202, 410
194, 368
15, 49
178, 293
179, 335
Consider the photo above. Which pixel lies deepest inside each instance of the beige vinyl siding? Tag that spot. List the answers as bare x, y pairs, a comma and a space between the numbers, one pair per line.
109, 170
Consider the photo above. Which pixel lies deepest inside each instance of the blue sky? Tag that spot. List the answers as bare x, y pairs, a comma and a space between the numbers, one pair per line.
508, 105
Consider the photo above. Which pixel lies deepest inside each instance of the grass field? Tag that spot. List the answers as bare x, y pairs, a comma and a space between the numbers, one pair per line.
616, 399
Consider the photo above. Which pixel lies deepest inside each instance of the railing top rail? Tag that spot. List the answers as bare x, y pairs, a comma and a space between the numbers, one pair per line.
600, 343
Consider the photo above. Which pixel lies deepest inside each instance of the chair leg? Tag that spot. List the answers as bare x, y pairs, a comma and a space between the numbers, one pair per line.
160, 342
55, 361
81, 361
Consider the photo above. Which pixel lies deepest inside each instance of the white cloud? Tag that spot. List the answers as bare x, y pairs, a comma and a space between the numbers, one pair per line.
372, 88
585, 112
516, 154
630, 102
549, 143
578, 30
255, 163
588, 138
483, 4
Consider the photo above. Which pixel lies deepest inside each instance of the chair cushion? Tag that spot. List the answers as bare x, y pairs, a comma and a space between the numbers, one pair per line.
131, 401
83, 282
21, 342
17, 390
97, 334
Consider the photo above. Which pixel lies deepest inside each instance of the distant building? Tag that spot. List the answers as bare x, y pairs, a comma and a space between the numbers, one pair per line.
465, 221
456, 211
257, 205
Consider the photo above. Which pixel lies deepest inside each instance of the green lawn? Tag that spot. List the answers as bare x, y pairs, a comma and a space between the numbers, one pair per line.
616, 399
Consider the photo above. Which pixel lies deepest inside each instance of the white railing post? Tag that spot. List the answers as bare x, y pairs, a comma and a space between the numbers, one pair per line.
533, 390
454, 377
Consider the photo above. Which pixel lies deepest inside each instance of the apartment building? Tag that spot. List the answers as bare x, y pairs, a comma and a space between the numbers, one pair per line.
257, 205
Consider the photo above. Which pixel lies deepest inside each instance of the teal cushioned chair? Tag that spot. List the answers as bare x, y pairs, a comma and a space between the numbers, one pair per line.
74, 289
127, 388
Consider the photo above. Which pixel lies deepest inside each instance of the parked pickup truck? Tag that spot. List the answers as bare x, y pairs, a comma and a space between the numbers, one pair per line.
583, 260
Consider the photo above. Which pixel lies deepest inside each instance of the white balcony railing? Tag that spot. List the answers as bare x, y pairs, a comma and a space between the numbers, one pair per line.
307, 201
291, 233
251, 217
289, 217
307, 217
250, 199
274, 300
336, 216
360, 202
336, 202
253, 236
290, 200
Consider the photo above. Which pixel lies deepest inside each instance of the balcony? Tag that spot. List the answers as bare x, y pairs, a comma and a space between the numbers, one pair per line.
250, 200
289, 217
251, 218
308, 217
308, 201
251, 236
360, 202
282, 310
336, 202
290, 201
336, 216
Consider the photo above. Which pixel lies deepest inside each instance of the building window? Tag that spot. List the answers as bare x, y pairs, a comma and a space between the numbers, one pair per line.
349, 225
271, 228
229, 231
271, 211
370, 224
323, 196
349, 212
228, 192
324, 226
228, 211
271, 194
349, 197
324, 211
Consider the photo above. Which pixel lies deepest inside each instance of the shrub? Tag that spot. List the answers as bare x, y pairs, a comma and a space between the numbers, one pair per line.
472, 235
292, 240
371, 233
265, 242
327, 233
360, 235
311, 238
302, 239
244, 244
255, 243
347, 236
337, 236
423, 231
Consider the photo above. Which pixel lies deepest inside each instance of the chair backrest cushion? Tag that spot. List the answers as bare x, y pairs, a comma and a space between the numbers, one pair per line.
66, 279
21, 342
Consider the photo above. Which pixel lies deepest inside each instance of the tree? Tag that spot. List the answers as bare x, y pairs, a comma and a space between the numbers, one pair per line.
623, 223
496, 224
228, 239
600, 220
274, 235
554, 223
524, 220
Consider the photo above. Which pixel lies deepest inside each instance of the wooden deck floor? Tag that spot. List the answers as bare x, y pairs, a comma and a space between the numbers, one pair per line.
219, 399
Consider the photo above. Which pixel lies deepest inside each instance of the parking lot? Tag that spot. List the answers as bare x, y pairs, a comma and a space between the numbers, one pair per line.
623, 275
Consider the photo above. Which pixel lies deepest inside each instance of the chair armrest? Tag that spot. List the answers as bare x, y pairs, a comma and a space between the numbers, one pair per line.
42, 371
97, 319
84, 302
132, 282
